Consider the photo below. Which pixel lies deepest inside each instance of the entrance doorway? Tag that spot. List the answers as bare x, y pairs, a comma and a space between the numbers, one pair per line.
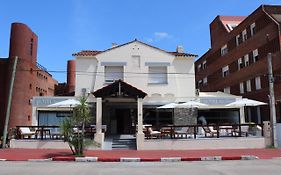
126, 121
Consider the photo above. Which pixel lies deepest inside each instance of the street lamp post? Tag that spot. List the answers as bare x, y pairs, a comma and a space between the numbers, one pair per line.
272, 100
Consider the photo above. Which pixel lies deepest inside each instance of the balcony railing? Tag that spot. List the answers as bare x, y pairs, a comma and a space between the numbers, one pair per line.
203, 131
50, 132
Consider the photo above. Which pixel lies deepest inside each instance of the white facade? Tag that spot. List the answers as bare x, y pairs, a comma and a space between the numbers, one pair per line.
136, 59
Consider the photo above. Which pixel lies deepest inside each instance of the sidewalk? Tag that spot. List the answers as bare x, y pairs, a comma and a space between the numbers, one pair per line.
153, 155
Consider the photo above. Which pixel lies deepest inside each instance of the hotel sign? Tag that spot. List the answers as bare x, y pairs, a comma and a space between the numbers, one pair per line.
217, 101
37, 102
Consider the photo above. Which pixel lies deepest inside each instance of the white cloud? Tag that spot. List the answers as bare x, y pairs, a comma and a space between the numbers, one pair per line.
161, 35
157, 36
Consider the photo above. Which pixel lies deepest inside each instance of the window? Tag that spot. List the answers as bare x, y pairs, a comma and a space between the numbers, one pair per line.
199, 67
225, 71
253, 29
238, 40
246, 60
226, 90
31, 47
224, 50
258, 83
240, 64
255, 55
248, 84
113, 73
205, 81
231, 26
199, 83
241, 88
136, 60
244, 35
157, 75
204, 64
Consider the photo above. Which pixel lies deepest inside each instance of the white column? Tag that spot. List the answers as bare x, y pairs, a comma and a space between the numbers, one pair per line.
140, 117
99, 136
140, 134
242, 115
98, 115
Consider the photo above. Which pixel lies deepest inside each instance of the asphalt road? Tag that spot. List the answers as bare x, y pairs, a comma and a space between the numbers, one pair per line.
247, 167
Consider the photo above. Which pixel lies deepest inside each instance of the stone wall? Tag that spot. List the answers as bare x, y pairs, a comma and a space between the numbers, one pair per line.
185, 116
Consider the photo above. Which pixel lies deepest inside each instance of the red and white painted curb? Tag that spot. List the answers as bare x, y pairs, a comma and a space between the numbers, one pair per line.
163, 159
137, 159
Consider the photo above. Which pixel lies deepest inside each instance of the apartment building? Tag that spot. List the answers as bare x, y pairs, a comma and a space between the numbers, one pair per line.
236, 63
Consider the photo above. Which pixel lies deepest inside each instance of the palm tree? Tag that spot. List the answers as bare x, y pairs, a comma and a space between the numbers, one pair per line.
80, 117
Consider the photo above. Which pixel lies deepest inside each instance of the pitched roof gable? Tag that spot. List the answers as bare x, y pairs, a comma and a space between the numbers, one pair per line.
95, 52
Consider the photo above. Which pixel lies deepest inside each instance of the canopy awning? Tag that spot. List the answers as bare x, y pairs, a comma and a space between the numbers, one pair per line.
119, 89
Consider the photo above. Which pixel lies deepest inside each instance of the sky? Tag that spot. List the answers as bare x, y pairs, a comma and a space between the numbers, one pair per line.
64, 27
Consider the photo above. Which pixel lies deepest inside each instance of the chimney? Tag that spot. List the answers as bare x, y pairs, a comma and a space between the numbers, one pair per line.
71, 68
180, 49
114, 45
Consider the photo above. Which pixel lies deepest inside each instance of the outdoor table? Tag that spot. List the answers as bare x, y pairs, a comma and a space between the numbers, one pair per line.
167, 131
228, 129
43, 132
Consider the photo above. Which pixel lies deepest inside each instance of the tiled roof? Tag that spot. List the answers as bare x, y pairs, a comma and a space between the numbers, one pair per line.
233, 18
95, 52
183, 54
230, 20
87, 53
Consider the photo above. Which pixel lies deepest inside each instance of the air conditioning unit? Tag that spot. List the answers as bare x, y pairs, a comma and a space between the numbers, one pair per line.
197, 91
109, 81
85, 91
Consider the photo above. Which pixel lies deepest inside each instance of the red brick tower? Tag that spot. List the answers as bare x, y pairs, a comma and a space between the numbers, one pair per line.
71, 68
31, 79
23, 43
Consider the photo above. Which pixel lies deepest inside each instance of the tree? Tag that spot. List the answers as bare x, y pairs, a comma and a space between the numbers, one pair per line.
73, 128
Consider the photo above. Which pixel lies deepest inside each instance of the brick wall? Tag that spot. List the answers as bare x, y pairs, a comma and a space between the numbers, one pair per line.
264, 25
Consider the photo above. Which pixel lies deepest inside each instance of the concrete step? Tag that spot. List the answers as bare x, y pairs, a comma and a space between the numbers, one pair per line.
124, 143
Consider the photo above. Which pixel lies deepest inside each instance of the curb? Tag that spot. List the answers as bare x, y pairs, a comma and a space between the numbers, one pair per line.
137, 159
39, 160
211, 158
63, 158
131, 159
108, 159
249, 157
170, 159
86, 159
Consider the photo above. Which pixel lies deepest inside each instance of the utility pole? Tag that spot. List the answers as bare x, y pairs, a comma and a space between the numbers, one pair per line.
9, 103
272, 100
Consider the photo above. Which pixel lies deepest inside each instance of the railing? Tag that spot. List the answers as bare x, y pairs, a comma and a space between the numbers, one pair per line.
42, 68
50, 132
212, 130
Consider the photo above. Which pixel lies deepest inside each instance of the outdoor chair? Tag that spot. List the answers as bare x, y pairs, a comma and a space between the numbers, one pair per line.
181, 132
244, 131
25, 131
153, 134
56, 134
209, 130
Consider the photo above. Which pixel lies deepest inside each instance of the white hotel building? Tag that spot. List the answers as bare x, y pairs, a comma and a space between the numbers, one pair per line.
149, 77
126, 83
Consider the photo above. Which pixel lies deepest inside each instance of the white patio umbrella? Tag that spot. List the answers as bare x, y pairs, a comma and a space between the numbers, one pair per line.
191, 104
245, 102
168, 106
66, 103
